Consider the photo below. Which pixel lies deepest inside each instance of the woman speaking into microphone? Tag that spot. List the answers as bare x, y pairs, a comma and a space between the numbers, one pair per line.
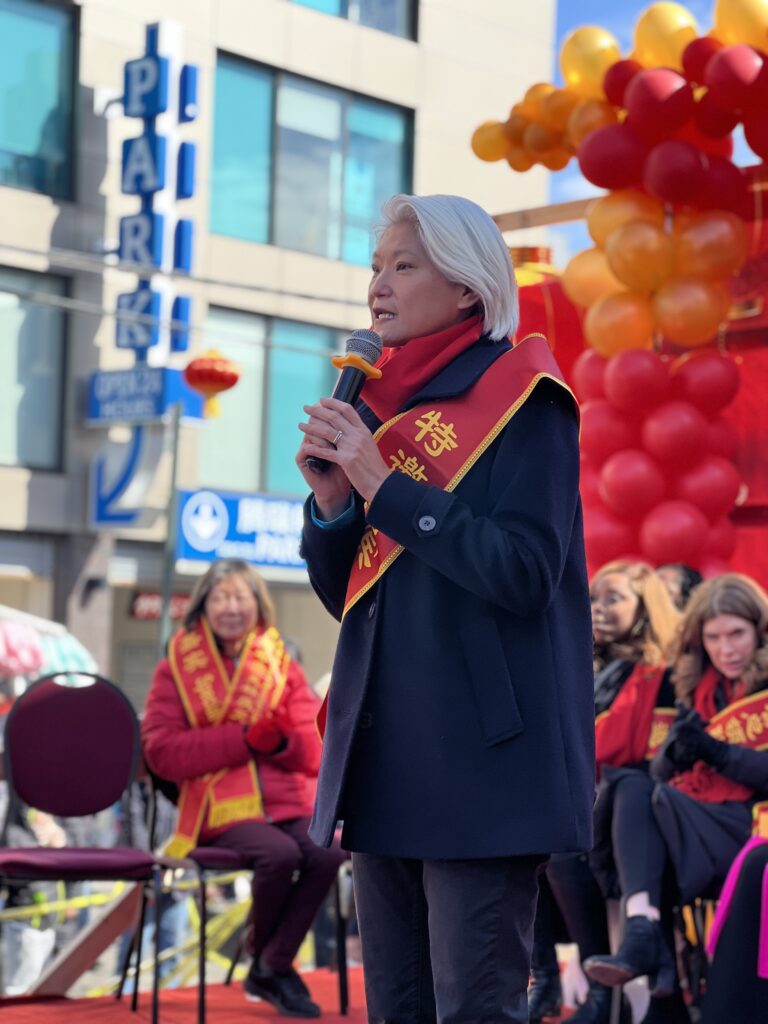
447, 538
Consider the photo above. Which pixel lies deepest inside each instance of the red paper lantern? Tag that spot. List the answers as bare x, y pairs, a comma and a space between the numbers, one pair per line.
659, 101
737, 78
675, 171
210, 374
672, 431
711, 485
697, 55
636, 381
705, 379
617, 78
674, 531
588, 373
604, 430
631, 483
612, 157
607, 536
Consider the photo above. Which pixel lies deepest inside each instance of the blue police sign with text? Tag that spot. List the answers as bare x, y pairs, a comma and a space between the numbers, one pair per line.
258, 528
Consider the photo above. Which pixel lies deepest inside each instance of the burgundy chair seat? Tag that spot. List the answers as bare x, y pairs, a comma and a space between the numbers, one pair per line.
214, 858
76, 864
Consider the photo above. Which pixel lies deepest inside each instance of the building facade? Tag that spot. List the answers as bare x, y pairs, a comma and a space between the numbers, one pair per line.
309, 113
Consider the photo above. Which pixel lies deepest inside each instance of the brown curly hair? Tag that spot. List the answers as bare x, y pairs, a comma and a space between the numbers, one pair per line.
729, 594
654, 631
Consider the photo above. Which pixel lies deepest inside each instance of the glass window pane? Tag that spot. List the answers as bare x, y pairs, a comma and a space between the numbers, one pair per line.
308, 173
300, 371
36, 55
229, 452
375, 168
393, 16
326, 6
242, 151
32, 356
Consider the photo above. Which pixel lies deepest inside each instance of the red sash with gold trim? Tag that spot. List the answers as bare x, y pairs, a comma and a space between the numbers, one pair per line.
439, 441
210, 698
744, 722
633, 728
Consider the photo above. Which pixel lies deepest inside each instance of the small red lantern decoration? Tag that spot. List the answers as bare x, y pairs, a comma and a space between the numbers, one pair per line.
210, 374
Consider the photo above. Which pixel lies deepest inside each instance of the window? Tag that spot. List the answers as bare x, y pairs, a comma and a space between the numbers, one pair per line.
32, 353
36, 97
252, 445
394, 16
314, 168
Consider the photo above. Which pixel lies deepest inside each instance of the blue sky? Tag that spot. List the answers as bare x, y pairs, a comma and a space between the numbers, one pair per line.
619, 17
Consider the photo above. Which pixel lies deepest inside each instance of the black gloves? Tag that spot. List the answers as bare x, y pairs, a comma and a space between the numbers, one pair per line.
688, 743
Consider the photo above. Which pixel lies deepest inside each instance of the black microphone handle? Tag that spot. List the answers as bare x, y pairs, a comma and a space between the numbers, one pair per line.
348, 388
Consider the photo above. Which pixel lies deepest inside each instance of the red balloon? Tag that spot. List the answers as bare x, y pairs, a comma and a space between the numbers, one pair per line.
604, 430
675, 171
659, 101
697, 55
706, 379
617, 78
587, 373
636, 380
674, 531
721, 539
711, 120
612, 157
722, 439
756, 132
711, 567
712, 485
631, 483
589, 482
725, 187
672, 431
719, 147
606, 536
737, 78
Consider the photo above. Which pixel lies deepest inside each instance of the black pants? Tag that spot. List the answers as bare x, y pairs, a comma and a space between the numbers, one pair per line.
638, 845
446, 941
580, 902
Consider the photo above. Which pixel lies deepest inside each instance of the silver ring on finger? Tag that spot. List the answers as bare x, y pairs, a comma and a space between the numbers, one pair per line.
335, 441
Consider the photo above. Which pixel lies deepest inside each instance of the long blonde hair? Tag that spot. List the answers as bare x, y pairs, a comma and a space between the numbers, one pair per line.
729, 594
655, 628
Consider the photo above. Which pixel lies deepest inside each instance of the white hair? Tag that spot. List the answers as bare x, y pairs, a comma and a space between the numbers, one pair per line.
467, 248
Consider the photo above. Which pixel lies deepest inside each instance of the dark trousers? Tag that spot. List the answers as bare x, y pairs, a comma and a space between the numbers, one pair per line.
580, 901
638, 845
290, 879
446, 941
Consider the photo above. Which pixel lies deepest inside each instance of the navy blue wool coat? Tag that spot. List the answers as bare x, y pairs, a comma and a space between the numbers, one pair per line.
460, 716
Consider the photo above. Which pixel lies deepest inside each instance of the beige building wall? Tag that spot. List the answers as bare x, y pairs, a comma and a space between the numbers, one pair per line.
470, 63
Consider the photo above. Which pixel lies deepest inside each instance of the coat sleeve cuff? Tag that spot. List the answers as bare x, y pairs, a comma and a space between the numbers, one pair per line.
408, 511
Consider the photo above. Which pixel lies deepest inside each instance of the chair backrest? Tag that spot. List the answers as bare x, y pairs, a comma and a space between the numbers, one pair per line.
71, 751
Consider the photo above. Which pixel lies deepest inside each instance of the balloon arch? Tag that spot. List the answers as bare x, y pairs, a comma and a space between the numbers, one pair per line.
670, 298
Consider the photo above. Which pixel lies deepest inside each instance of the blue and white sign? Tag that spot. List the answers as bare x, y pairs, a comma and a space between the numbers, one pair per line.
258, 528
141, 395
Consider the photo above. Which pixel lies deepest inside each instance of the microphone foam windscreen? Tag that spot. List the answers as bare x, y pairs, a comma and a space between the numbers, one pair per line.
366, 344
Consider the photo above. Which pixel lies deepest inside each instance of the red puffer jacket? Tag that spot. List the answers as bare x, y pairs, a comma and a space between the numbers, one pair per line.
175, 751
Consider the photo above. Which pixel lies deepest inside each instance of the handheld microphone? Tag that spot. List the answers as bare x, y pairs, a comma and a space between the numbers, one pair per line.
363, 349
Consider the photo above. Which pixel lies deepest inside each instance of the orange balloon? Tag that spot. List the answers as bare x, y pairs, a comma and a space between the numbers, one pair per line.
586, 117
618, 208
489, 141
555, 159
588, 278
534, 98
519, 159
619, 322
514, 127
641, 255
712, 245
538, 139
689, 311
557, 107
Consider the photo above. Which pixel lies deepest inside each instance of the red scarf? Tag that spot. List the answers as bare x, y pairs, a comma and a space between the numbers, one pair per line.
704, 694
407, 368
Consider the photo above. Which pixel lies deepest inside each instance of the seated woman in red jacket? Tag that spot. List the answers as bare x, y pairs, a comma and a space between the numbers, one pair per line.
686, 821
231, 720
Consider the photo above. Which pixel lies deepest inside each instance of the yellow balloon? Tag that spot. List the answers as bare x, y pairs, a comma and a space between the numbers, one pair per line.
610, 212
742, 21
662, 33
585, 56
588, 278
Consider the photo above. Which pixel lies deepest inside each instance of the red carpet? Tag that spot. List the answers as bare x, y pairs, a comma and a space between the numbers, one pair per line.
224, 1006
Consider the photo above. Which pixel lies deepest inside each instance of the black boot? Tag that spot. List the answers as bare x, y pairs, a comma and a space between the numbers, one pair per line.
597, 1008
545, 996
285, 990
643, 951
668, 1011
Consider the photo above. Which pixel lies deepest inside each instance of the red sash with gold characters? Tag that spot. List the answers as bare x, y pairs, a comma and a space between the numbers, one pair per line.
744, 722
633, 728
211, 698
439, 441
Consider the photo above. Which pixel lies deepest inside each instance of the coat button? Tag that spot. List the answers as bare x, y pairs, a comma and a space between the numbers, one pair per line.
427, 524
372, 609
